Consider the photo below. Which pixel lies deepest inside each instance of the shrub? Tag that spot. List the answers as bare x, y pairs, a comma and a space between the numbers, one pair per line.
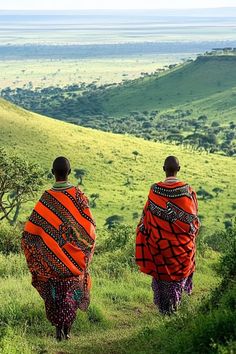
116, 238
13, 265
203, 194
10, 239
113, 221
115, 253
227, 266
202, 242
217, 241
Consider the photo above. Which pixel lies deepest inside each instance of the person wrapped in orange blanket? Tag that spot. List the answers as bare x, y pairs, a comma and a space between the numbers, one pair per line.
58, 242
166, 234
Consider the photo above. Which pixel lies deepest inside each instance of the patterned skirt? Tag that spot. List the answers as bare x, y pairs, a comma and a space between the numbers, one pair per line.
168, 294
62, 299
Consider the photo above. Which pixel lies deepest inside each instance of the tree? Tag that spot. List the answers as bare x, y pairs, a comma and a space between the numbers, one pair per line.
146, 125
230, 136
228, 224
113, 220
204, 194
93, 197
215, 124
135, 215
79, 174
19, 181
217, 190
136, 154
212, 139
129, 181
202, 118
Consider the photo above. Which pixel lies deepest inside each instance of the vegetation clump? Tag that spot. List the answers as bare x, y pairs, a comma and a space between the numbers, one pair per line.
19, 181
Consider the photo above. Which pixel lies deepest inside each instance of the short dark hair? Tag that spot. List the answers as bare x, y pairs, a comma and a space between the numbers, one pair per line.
171, 164
61, 167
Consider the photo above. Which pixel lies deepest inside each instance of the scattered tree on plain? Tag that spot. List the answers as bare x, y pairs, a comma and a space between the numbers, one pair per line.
94, 197
79, 174
113, 220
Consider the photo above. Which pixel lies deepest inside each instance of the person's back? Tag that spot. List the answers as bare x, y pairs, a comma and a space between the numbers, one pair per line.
165, 243
58, 241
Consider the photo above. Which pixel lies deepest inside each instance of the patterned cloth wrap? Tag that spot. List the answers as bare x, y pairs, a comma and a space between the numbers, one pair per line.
58, 242
165, 241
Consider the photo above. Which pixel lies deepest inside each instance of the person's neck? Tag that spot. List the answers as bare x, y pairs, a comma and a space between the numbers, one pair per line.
171, 175
171, 178
61, 185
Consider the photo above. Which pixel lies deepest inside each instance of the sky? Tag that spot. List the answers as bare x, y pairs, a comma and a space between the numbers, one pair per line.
111, 4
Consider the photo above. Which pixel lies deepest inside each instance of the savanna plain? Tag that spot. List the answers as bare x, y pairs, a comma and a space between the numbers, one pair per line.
117, 148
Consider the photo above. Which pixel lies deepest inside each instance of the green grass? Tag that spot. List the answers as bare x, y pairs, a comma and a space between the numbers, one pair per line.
122, 317
44, 73
109, 161
205, 85
121, 310
190, 104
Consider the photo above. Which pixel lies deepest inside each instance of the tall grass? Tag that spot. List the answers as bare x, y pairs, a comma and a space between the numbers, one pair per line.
122, 317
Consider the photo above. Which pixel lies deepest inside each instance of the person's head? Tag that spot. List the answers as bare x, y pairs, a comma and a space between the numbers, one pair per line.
61, 168
171, 166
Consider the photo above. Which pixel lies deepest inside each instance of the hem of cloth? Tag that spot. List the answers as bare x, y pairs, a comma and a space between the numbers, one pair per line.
168, 277
45, 279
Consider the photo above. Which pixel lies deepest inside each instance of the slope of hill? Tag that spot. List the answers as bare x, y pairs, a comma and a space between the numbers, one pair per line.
193, 103
112, 170
121, 318
181, 86
198, 80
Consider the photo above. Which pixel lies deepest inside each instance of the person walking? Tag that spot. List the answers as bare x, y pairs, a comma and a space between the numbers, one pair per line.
166, 235
58, 242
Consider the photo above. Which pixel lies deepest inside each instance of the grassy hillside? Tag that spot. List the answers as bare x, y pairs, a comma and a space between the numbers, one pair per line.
186, 85
204, 77
122, 317
111, 169
193, 103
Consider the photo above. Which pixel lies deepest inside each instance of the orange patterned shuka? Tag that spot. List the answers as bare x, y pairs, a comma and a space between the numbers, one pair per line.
165, 242
59, 238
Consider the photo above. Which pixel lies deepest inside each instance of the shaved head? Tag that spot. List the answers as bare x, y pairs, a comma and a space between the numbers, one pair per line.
61, 168
171, 166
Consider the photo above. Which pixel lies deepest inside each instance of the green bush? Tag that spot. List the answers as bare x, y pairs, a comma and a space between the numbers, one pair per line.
217, 241
115, 253
10, 239
212, 328
118, 237
13, 265
227, 267
201, 242
215, 328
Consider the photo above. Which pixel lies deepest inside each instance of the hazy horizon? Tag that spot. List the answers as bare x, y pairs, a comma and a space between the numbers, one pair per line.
119, 9
115, 4
201, 12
